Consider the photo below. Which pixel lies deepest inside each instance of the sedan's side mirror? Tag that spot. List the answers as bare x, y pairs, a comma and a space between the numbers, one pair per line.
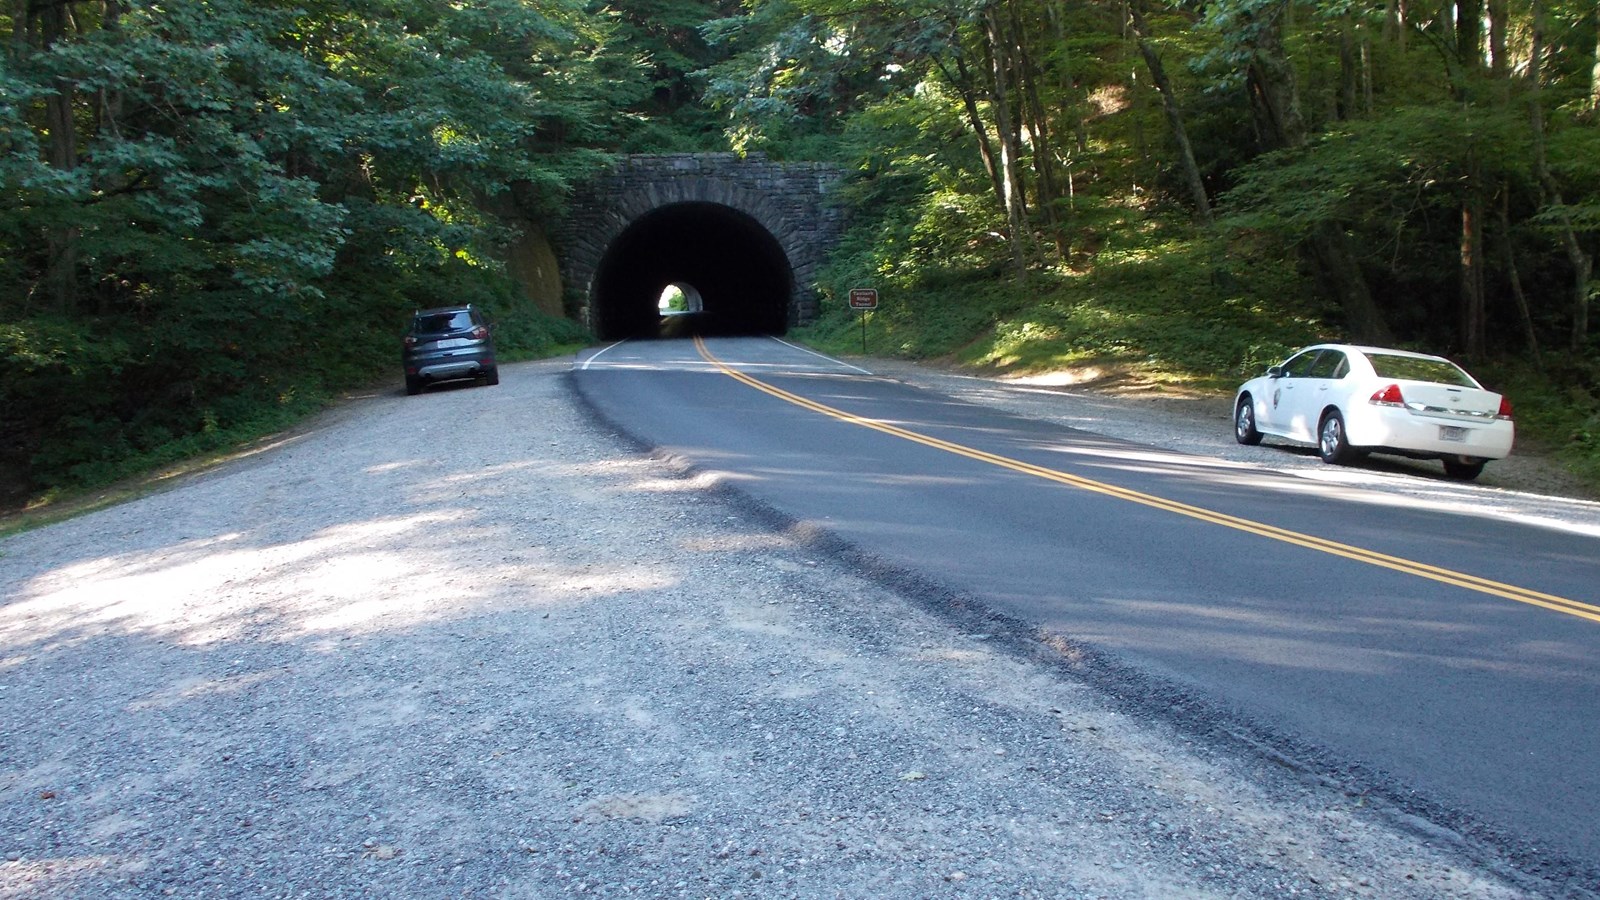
1275, 372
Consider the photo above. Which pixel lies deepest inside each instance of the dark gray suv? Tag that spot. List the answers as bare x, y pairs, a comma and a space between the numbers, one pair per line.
446, 344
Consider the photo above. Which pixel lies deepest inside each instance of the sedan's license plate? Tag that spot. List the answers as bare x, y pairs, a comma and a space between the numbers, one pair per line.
1452, 433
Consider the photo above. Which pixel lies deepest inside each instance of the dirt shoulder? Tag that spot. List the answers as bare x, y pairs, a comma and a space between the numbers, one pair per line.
470, 644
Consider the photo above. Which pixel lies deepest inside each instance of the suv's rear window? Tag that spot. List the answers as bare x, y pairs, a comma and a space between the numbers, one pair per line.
1410, 368
442, 322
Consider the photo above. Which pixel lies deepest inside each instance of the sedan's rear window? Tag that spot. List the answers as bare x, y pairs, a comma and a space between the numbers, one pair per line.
1411, 368
442, 322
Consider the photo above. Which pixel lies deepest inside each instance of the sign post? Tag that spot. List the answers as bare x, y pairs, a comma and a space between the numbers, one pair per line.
865, 300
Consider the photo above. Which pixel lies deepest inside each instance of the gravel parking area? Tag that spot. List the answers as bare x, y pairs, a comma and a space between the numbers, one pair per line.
469, 644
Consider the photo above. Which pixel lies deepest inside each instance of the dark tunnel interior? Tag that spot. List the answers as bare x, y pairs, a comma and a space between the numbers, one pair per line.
739, 269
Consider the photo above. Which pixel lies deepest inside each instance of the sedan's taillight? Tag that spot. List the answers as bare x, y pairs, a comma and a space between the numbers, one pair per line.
1389, 396
1505, 410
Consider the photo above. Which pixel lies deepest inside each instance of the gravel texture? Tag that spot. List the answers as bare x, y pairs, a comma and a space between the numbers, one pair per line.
471, 644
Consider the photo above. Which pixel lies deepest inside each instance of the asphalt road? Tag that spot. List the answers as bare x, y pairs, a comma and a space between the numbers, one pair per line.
1454, 656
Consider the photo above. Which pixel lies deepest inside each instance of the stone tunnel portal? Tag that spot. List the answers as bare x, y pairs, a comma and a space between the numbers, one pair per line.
741, 272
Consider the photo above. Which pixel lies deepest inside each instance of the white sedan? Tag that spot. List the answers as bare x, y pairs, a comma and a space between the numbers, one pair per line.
1350, 401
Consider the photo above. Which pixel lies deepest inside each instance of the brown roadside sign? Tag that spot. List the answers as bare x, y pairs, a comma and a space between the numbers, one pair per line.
863, 298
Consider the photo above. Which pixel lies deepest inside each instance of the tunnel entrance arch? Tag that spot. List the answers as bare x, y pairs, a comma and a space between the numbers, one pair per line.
746, 233
737, 270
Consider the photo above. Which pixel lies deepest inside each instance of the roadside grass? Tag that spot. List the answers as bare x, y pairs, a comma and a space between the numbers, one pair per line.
137, 476
151, 473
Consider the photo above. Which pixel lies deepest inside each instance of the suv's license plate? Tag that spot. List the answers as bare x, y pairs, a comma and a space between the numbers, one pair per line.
1452, 433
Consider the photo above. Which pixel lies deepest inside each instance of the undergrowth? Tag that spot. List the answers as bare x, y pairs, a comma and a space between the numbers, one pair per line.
97, 453
1166, 311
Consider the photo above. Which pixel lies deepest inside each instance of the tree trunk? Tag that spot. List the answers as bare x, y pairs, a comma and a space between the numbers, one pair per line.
1169, 102
1394, 23
1010, 149
1366, 73
1275, 101
1038, 124
1349, 72
1498, 14
1550, 192
1469, 34
1339, 273
1469, 55
1068, 87
62, 153
63, 148
1508, 253
1274, 97
967, 88
1447, 24
108, 109
1472, 279
21, 26
1594, 74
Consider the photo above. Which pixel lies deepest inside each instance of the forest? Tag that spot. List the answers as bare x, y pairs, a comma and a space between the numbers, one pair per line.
215, 214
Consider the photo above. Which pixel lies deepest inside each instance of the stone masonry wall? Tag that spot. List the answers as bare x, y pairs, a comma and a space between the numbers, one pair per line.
790, 200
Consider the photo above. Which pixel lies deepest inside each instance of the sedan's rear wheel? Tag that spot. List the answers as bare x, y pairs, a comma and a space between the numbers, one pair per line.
1244, 422
1332, 443
1464, 468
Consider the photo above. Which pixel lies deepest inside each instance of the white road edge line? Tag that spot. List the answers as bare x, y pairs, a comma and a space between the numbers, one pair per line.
585, 366
818, 355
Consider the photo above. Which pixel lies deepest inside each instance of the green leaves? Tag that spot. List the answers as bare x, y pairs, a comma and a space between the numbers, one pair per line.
244, 177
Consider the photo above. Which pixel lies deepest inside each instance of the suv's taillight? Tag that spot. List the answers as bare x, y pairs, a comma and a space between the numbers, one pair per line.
1505, 410
480, 333
1389, 396
410, 340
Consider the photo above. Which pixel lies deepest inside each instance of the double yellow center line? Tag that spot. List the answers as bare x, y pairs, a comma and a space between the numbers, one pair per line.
1371, 557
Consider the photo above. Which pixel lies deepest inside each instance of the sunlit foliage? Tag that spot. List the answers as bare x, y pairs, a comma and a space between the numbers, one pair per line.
214, 212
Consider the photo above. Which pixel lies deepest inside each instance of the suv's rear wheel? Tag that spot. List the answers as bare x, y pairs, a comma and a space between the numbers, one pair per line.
493, 377
413, 385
